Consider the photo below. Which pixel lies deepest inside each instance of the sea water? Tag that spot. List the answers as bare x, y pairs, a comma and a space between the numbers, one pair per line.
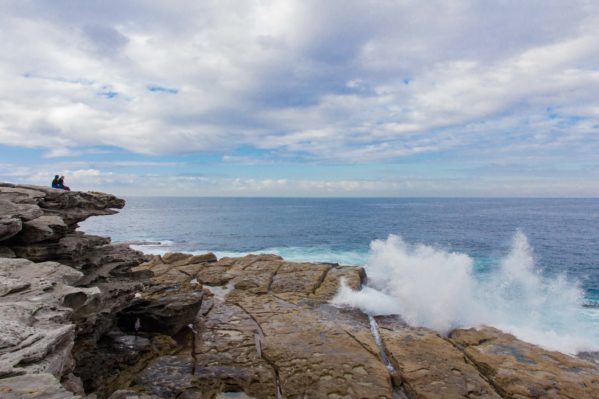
527, 266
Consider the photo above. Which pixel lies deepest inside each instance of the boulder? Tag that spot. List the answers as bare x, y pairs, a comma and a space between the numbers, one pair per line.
43, 228
9, 226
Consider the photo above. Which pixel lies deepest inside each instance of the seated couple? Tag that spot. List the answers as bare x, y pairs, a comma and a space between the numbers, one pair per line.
58, 182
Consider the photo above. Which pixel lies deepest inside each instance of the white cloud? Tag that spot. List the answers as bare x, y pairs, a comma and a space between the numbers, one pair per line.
350, 81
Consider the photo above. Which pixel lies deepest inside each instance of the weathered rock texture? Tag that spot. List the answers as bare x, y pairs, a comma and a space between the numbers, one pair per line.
53, 312
93, 317
520, 370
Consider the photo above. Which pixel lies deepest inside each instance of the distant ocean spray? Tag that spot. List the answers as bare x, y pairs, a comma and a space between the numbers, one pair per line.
527, 266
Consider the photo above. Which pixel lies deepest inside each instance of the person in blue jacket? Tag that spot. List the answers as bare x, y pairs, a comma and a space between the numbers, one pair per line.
55, 182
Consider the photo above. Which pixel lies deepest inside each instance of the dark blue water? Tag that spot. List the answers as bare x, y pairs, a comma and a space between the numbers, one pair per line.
563, 232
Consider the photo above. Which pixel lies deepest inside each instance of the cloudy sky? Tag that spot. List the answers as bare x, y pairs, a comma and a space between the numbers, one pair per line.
302, 98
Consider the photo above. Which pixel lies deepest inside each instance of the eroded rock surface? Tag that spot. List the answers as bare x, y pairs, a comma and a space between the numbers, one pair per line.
521, 370
37, 302
429, 366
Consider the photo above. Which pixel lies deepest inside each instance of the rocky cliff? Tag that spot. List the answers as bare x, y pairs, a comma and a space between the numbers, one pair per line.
81, 317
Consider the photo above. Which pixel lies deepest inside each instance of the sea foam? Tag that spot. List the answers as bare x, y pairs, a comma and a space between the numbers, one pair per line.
435, 288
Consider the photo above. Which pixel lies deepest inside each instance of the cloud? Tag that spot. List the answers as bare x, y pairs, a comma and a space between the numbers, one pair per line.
343, 82
303, 77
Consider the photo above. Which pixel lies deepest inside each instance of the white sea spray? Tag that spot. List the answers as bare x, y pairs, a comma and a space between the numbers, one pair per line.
435, 288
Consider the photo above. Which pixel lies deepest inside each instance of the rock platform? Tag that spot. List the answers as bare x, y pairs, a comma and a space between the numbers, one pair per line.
83, 318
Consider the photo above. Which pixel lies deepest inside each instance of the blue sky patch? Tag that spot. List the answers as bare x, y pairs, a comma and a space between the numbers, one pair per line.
162, 89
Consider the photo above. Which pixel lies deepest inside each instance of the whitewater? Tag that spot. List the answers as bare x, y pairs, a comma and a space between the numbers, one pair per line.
434, 288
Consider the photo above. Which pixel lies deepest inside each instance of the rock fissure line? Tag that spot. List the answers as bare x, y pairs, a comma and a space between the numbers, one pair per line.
194, 333
251, 316
258, 337
321, 279
480, 370
251, 263
272, 277
278, 390
362, 344
283, 300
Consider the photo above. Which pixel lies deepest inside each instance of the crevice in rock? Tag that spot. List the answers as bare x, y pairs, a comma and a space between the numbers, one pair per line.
362, 344
397, 389
251, 316
374, 329
272, 277
283, 300
251, 263
321, 280
478, 367
275, 369
194, 333
259, 335
185, 273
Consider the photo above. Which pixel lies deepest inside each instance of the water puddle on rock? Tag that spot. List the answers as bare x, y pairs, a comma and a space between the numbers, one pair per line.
220, 292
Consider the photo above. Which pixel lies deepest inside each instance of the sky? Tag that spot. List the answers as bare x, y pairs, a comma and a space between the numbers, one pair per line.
302, 98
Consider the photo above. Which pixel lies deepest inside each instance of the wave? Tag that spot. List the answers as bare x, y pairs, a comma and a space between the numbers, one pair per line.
435, 288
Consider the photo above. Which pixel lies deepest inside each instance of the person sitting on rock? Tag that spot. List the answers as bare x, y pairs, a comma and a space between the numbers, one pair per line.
55, 182
61, 184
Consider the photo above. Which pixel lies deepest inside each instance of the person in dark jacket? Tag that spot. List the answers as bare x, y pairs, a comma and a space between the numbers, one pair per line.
61, 184
55, 182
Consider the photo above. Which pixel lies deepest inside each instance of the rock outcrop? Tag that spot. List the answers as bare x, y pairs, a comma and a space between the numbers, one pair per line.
80, 316
59, 288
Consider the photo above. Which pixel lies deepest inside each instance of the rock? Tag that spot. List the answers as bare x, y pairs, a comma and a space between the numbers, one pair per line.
9, 226
30, 203
118, 358
269, 334
521, 370
165, 313
167, 376
39, 386
71, 249
43, 228
21, 194
316, 352
6, 252
36, 335
21, 211
127, 394
428, 366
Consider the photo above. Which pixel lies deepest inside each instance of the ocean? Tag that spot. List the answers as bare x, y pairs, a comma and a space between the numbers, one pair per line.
527, 266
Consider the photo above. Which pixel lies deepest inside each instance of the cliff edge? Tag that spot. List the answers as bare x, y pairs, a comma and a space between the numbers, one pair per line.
81, 317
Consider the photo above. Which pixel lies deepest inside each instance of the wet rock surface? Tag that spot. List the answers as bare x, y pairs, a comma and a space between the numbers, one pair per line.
79, 316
